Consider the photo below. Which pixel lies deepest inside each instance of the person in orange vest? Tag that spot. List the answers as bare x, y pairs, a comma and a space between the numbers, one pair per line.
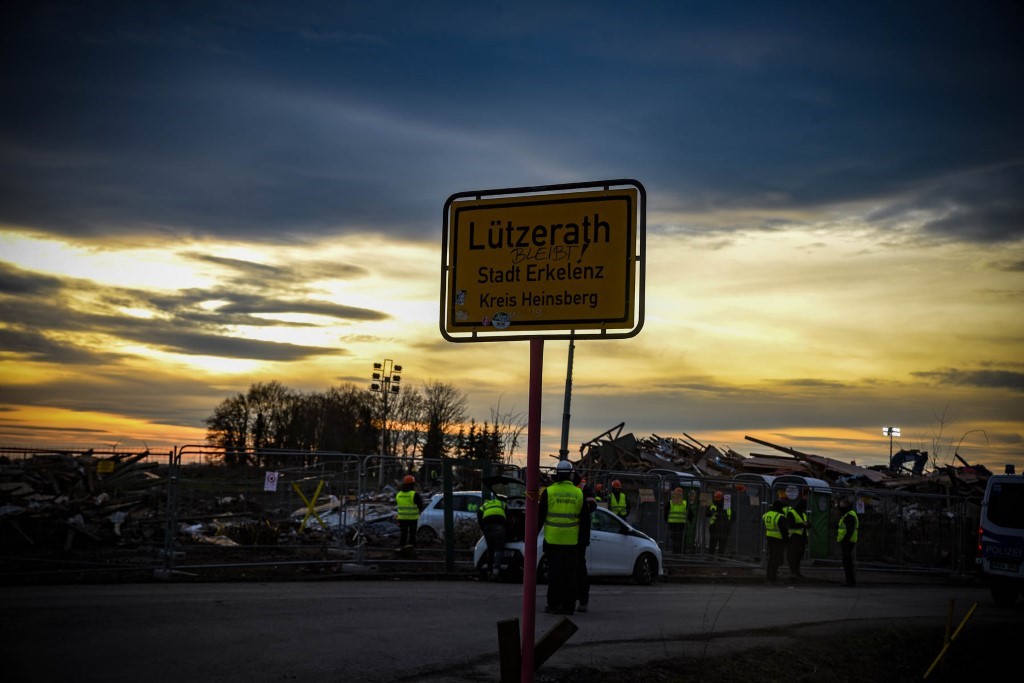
410, 505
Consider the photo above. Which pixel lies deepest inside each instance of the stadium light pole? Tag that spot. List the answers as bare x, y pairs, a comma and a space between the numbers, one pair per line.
890, 432
387, 379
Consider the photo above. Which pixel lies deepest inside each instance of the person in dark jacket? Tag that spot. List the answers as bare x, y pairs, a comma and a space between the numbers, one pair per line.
799, 526
586, 516
719, 524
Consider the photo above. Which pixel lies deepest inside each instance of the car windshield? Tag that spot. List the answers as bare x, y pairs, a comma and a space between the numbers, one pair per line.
509, 489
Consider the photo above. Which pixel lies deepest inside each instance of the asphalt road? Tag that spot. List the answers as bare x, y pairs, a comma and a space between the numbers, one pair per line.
391, 630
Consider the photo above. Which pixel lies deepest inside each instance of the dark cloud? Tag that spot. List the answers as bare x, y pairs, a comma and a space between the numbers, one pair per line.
1010, 266
978, 206
262, 275
156, 396
17, 282
199, 344
798, 383
33, 345
262, 122
44, 322
986, 379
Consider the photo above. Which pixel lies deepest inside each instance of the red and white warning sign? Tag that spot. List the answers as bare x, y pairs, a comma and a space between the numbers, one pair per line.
270, 481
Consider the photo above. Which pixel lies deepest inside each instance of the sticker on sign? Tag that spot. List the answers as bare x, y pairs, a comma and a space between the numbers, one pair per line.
552, 258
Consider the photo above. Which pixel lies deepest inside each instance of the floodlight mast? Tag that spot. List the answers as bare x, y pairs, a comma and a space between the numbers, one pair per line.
387, 381
890, 432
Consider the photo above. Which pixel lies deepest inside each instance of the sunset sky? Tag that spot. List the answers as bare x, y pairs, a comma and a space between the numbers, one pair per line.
198, 196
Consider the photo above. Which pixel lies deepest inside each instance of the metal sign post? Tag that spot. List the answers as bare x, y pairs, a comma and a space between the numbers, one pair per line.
535, 263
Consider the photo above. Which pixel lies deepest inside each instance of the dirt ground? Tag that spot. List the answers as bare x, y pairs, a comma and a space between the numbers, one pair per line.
881, 652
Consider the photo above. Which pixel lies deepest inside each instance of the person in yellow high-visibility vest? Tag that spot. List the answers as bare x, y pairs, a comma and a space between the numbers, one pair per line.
559, 514
492, 519
410, 504
847, 537
675, 515
617, 500
776, 531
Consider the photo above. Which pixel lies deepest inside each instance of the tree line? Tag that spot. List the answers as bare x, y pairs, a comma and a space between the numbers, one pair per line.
430, 423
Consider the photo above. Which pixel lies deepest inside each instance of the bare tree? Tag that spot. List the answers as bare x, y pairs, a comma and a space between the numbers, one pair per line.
938, 451
407, 420
509, 426
228, 428
444, 408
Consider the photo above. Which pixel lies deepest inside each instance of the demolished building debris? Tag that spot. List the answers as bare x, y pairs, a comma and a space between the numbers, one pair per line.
71, 499
618, 451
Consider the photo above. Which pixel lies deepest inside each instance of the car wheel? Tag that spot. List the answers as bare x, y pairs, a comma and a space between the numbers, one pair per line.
645, 571
426, 536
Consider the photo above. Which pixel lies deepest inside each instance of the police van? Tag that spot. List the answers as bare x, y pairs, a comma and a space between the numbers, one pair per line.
1001, 537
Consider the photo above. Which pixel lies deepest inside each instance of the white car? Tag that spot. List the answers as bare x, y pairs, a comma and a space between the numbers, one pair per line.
430, 527
616, 549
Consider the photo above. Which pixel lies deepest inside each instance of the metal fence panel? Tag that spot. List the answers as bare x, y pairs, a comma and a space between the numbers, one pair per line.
187, 510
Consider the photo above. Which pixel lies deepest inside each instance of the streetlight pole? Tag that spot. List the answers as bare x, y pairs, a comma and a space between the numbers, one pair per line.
386, 381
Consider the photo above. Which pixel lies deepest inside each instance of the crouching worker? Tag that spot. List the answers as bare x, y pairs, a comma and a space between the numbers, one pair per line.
491, 517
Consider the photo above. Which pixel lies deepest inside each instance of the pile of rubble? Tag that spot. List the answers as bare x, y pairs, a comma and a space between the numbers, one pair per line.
615, 451
65, 498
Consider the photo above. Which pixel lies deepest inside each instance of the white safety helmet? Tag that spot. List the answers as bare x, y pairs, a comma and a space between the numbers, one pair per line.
563, 467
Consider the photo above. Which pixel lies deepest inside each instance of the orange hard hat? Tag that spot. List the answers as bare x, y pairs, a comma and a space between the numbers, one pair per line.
678, 489
616, 484
598, 487
409, 479
719, 495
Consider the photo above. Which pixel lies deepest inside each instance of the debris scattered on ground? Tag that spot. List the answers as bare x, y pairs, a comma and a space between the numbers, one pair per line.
68, 499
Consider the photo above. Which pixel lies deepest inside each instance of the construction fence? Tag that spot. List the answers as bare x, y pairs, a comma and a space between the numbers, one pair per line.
182, 513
